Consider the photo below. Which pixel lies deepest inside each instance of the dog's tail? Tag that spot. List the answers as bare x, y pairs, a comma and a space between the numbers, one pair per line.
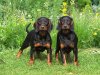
27, 27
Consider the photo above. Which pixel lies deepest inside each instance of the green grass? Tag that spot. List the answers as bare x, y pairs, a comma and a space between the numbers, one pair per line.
89, 64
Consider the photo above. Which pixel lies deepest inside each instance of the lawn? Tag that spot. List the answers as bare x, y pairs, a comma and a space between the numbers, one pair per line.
89, 64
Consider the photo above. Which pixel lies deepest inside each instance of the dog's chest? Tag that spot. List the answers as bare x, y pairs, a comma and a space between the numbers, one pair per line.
67, 41
64, 38
40, 38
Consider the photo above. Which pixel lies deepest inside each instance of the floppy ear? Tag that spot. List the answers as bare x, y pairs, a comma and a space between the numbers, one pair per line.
72, 24
35, 25
58, 26
50, 26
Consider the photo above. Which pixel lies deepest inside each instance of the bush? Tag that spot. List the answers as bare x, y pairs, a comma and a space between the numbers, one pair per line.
13, 24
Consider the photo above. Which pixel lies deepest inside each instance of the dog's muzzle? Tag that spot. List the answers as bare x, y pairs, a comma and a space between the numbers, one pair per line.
65, 27
42, 27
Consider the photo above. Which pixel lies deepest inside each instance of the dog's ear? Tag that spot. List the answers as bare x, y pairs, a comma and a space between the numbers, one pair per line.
58, 26
35, 25
50, 26
72, 24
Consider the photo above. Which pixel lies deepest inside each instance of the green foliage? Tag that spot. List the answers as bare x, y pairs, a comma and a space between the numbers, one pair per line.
10, 34
95, 2
16, 14
85, 24
82, 3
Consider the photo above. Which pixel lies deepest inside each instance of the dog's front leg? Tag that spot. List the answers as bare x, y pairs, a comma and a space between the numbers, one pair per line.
57, 47
32, 51
63, 57
49, 56
75, 51
47, 45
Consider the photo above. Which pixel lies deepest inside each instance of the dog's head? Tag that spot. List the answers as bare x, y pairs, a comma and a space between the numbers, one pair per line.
65, 23
43, 24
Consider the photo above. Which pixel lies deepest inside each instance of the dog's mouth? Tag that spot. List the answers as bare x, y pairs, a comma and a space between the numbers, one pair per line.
43, 28
42, 32
65, 31
66, 27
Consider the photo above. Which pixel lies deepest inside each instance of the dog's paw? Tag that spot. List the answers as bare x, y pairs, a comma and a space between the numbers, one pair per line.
31, 62
76, 63
64, 64
56, 57
49, 63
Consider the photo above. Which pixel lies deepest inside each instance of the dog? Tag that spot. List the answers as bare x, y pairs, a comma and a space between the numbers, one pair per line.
67, 39
42, 40
39, 39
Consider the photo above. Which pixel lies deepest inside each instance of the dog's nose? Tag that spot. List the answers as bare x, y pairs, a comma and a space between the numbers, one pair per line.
42, 27
65, 26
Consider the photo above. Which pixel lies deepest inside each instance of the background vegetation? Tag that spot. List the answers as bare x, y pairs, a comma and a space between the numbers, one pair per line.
16, 14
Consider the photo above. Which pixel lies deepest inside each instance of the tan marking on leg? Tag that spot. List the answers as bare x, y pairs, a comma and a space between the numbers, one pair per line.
19, 53
31, 61
62, 45
57, 57
75, 62
64, 55
48, 59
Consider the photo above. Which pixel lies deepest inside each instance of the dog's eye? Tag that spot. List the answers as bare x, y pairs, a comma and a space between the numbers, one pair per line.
45, 21
46, 24
62, 22
39, 23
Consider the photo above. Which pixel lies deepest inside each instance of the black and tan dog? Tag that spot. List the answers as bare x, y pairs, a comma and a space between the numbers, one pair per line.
39, 39
66, 39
